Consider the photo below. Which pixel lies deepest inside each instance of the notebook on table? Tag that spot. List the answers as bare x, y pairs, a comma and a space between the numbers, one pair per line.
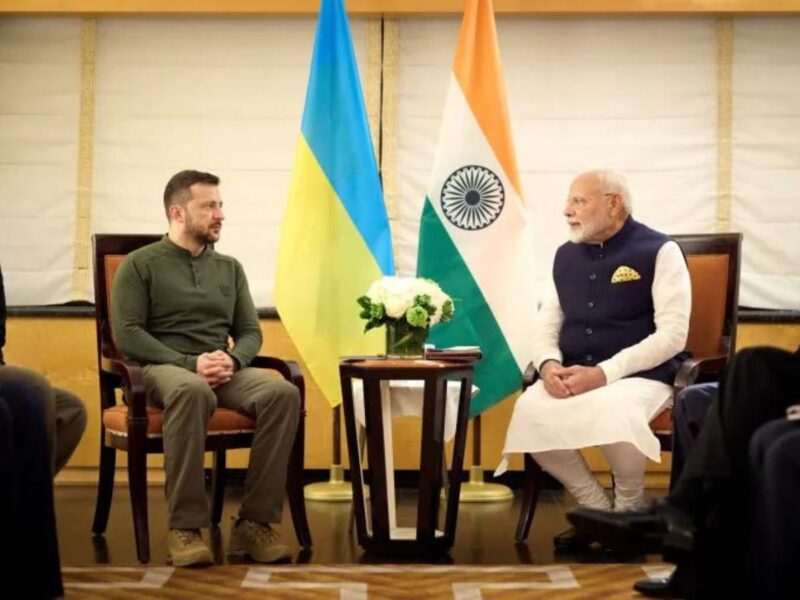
456, 353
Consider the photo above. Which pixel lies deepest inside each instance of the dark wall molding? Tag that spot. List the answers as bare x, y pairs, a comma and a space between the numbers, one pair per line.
83, 309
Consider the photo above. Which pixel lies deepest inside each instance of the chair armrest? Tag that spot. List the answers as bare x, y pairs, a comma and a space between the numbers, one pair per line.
529, 377
132, 383
289, 369
692, 368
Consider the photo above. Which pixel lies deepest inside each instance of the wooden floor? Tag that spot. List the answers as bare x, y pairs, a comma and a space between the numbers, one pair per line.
484, 555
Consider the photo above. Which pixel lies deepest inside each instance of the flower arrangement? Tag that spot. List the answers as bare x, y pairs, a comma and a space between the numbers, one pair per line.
408, 306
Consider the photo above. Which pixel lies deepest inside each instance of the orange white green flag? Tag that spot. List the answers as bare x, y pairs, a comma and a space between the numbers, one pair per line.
474, 236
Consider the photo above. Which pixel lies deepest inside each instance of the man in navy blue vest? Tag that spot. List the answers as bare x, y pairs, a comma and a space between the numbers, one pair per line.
608, 341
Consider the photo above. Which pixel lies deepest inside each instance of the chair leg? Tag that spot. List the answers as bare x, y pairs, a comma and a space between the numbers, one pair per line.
532, 485
294, 488
137, 482
218, 480
105, 488
445, 477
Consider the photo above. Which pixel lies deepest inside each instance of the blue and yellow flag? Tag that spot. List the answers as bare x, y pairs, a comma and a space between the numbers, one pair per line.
335, 237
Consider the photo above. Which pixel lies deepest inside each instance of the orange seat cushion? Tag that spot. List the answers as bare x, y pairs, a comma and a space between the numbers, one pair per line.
223, 420
663, 422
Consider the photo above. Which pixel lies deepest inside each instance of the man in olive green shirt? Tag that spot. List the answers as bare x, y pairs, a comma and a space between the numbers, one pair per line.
174, 306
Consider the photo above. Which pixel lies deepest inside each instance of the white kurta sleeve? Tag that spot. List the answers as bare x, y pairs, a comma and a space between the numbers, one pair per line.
547, 327
672, 303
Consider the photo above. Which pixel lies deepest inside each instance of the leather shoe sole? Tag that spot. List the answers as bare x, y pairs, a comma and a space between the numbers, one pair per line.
624, 532
570, 541
668, 587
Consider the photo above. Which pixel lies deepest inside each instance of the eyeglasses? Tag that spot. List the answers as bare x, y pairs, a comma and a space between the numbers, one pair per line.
582, 200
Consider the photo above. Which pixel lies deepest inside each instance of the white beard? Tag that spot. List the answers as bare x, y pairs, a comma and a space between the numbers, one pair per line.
587, 230
575, 235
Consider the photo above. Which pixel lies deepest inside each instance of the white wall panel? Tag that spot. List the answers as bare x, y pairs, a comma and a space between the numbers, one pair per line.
766, 159
224, 96
637, 95
39, 106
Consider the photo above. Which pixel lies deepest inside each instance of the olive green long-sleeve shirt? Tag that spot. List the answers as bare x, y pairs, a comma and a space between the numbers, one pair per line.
168, 307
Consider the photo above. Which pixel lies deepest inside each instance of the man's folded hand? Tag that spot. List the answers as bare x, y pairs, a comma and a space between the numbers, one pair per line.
553, 377
215, 367
580, 379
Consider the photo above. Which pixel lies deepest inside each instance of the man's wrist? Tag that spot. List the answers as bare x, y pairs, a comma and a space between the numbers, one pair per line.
601, 375
236, 364
545, 361
190, 362
610, 371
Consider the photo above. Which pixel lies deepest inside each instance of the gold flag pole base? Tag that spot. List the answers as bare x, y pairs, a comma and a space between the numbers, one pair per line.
477, 490
336, 489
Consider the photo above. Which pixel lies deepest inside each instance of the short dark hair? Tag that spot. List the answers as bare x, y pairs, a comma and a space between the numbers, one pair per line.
177, 190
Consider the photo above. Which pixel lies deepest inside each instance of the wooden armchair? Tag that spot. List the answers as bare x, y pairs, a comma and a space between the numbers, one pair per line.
135, 428
714, 262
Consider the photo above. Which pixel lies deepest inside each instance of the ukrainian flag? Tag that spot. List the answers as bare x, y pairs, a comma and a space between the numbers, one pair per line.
335, 237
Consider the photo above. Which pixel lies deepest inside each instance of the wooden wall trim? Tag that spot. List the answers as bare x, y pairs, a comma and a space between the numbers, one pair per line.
724, 124
81, 275
394, 7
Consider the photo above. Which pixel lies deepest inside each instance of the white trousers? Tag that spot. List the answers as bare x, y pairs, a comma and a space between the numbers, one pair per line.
628, 466
614, 413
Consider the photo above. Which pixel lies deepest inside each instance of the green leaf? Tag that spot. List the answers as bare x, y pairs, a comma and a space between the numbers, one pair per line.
447, 310
377, 311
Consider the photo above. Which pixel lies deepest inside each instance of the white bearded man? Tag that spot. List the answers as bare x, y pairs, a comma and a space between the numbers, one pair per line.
608, 341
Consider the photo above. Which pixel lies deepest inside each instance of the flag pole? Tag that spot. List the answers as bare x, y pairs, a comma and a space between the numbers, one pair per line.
336, 489
476, 489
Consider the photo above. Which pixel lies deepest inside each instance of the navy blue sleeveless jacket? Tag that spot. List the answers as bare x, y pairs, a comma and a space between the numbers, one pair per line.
600, 317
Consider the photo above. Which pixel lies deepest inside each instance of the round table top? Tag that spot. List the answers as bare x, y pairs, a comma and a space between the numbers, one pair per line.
408, 362
404, 364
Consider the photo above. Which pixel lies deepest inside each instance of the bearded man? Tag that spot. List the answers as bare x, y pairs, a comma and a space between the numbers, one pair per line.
609, 339
174, 306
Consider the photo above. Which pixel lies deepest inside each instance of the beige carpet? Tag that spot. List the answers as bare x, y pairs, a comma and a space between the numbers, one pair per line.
357, 582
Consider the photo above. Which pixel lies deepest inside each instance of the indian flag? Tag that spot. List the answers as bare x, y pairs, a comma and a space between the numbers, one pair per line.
474, 238
335, 238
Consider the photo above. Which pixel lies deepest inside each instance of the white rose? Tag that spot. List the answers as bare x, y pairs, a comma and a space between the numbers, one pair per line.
396, 306
374, 294
427, 287
397, 294
406, 286
388, 285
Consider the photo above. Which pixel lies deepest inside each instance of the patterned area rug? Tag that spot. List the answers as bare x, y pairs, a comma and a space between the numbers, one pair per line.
357, 582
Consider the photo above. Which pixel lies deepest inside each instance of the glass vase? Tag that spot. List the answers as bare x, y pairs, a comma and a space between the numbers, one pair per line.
405, 341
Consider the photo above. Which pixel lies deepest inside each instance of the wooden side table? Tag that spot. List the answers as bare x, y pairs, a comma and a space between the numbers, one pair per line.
380, 535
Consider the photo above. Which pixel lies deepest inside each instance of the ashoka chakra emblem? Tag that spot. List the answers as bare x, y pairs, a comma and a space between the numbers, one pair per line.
472, 197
